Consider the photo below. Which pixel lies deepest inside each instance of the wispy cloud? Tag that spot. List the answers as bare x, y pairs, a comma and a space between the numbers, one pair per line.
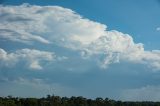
146, 93
37, 87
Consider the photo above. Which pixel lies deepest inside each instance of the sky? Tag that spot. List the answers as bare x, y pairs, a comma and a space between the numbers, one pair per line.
90, 48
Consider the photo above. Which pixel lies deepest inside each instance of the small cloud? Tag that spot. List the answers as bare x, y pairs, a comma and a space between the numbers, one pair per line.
31, 57
62, 58
158, 28
35, 65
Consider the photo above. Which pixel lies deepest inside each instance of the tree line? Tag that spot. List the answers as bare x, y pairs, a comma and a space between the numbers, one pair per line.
72, 101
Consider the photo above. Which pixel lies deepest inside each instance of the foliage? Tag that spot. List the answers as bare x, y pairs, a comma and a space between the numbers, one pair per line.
72, 101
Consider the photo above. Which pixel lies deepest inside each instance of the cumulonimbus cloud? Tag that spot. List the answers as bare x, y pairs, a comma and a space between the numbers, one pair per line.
64, 27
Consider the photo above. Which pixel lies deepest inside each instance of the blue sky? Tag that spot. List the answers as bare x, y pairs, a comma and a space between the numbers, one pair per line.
87, 48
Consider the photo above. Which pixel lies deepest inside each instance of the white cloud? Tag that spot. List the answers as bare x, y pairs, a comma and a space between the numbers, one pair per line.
20, 36
31, 57
158, 28
28, 23
64, 27
121, 47
35, 65
147, 93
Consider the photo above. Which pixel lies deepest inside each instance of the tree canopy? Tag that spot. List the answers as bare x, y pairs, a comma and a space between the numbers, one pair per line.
72, 101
